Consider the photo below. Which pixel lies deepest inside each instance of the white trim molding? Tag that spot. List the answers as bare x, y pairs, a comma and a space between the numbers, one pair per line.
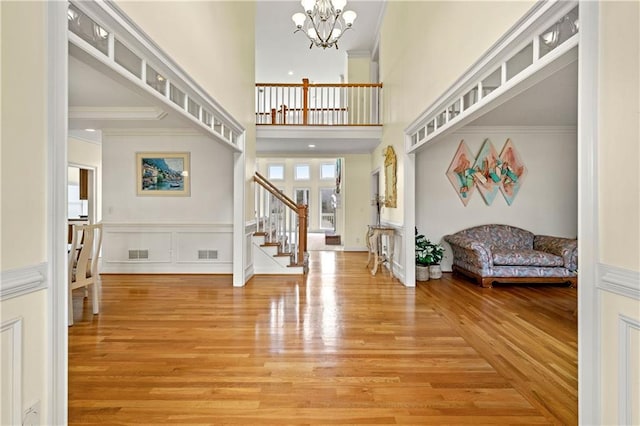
619, 280
21, 281
626, 366
12, 355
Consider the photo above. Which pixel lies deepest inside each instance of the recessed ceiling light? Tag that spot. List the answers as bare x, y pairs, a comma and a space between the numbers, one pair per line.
90, 130
290, 73
311, 145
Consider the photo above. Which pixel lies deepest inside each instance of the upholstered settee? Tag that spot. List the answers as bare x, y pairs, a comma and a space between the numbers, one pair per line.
503, 253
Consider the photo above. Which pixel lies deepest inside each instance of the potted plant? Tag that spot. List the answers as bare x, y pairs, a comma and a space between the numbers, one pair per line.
428, 258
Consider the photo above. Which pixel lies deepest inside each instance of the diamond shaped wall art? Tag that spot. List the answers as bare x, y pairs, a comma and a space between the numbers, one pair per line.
513, 171
460, 173
489, 172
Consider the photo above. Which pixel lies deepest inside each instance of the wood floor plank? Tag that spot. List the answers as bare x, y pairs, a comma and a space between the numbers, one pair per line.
338, 346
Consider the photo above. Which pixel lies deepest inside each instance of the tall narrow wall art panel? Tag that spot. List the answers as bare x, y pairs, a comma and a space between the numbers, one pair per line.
460, 173
513, 171
487, 174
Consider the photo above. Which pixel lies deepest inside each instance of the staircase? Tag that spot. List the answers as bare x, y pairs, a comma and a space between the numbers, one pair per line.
280, 242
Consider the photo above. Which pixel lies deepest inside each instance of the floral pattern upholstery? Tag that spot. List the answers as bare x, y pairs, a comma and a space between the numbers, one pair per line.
504, 251
525, 257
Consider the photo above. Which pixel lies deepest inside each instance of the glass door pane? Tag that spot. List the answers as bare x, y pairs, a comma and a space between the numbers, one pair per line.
327, 209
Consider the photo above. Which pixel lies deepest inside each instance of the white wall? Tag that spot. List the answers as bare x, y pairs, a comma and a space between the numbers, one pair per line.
356, 200
214, 42
23, 190
545, 204
437, 42
619, 211
167, 225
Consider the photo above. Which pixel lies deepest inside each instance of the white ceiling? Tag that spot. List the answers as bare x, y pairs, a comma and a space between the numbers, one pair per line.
279, 50
552, 102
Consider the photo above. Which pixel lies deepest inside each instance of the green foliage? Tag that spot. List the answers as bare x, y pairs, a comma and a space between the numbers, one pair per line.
427, 253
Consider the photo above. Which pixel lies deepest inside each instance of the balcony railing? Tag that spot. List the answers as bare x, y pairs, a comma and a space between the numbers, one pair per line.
318, 104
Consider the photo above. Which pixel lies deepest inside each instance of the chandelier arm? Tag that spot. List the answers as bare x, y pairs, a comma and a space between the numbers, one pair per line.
326, 18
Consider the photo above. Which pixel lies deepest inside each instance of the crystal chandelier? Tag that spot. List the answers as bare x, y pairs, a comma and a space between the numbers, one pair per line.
324, 21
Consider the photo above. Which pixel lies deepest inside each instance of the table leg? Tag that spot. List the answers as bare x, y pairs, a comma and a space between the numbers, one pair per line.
391, 247
373, 241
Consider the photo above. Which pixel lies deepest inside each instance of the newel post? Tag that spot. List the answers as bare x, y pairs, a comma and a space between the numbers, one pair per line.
302, 231
305, 101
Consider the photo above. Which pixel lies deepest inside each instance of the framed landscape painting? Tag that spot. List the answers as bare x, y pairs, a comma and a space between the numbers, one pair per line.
162, 173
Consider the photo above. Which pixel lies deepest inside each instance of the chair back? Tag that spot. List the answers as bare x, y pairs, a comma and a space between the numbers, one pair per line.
86, 242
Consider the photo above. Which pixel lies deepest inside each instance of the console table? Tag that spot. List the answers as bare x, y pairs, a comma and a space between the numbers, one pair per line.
374, 243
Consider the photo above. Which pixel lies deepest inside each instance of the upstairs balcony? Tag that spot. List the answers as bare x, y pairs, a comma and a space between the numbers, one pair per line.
336, 118
318, 104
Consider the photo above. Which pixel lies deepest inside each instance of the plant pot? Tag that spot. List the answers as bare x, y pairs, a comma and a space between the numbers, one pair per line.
435, 272
422, 273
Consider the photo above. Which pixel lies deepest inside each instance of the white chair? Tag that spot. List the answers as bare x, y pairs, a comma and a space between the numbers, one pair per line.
86, 242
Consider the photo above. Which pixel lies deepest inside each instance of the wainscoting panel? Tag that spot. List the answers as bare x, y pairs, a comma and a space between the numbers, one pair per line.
629, 371
191, 246
11, 367
618, 344
167, 248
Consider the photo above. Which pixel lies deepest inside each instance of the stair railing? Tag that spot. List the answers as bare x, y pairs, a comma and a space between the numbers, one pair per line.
281, 220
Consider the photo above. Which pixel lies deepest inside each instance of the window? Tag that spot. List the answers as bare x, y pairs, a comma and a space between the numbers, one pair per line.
327, 171
129, 60
327, 209
301, 196
302, 172
193, 108
275, 172
176, 95
156, 80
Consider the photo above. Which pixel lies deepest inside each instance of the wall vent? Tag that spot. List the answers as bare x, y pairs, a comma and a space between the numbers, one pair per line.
138, 254
207, 254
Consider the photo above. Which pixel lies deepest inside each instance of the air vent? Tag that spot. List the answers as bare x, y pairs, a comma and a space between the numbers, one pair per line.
207, 254
138, 254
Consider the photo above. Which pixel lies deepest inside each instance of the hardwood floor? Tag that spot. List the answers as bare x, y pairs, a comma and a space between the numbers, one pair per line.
336, 347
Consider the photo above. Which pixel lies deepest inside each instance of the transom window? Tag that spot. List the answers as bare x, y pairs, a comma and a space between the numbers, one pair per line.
275, 171
327, 171
302, 172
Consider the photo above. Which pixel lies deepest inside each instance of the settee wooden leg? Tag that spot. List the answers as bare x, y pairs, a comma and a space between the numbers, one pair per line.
486, 282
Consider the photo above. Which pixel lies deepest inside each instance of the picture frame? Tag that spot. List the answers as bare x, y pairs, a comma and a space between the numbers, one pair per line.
164, 174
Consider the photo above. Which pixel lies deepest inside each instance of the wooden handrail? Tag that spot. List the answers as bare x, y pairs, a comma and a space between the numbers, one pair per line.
262, 181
